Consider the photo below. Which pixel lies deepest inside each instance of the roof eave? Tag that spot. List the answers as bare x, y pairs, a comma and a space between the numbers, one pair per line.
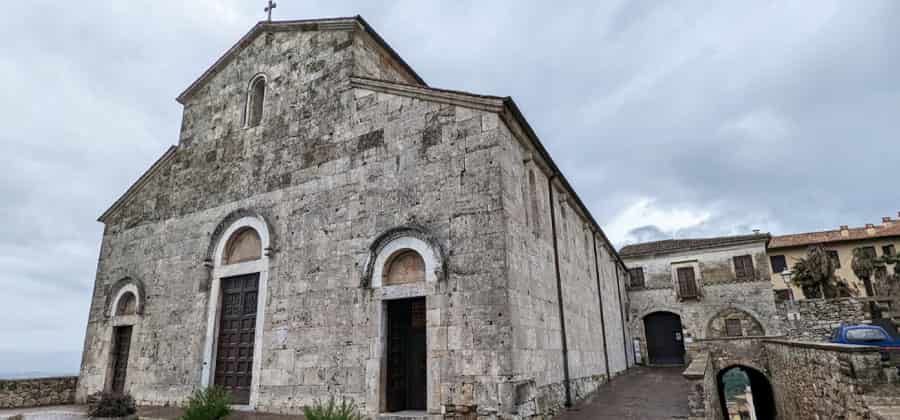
262, 25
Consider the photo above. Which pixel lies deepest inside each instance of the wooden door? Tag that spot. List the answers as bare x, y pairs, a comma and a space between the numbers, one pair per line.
665, 344
121, 349
406, 355
237, 335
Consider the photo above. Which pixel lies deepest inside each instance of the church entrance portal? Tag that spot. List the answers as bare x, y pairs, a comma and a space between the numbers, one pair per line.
406, 355
237, 332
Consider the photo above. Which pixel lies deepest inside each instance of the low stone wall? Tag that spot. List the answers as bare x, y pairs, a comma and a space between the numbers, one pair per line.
18, 393
703, 396
823, 380
814, 319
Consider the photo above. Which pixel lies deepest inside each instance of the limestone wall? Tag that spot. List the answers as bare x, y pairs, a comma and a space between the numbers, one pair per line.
722, 295
19, 393
814, 319
819, 380
594, 334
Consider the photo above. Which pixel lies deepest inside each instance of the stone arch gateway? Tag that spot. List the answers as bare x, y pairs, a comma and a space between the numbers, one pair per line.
665, 338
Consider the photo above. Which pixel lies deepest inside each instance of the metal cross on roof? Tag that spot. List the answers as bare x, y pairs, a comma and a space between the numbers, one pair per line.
269, 8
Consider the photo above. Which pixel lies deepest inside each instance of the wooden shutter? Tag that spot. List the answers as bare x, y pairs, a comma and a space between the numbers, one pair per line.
733, 327
687, 287
743, 267
637, 277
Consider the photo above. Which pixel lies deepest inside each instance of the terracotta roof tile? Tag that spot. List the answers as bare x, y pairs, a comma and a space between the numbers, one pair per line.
679, 245
838, 235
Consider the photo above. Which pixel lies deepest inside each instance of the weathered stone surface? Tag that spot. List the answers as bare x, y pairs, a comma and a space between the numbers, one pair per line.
19, 393
722, 295
824, 380
331, 169
815, 319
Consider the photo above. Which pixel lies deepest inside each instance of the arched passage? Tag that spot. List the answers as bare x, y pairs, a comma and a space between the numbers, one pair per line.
665, 338
733, 384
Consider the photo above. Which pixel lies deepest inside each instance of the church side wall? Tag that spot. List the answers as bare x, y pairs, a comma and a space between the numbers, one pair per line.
537, 338
329, 169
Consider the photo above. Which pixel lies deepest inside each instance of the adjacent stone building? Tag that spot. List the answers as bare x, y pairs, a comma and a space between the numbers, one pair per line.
685, 290
330, 225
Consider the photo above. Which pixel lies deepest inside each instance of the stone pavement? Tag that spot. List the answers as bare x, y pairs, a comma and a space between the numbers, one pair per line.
641, 393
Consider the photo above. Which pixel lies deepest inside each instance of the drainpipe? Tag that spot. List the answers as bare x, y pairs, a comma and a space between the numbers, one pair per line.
559, 296
622, 311
600, 298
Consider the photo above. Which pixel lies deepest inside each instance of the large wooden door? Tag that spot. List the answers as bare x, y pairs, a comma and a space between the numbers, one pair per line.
406, 355
237, 334
121, 350
665, 344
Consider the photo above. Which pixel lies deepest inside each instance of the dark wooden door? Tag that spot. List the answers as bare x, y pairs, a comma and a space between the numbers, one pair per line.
407, 355
121, 349
237, 334
665, 344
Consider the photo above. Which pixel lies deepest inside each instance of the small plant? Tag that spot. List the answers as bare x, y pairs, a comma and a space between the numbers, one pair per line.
331, 410
110, 404
207, 404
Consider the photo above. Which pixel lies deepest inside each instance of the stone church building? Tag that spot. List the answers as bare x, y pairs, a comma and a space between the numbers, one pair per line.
329, 224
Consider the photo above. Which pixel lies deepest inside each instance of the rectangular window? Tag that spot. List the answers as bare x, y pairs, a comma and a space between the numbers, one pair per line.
888, 250
779, 263
637, 277
687, 286
535, 217
733, 327
868, 250
835, 257
784, 295
743, 267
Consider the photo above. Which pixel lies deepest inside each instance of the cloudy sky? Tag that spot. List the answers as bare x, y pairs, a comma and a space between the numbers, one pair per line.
670, 118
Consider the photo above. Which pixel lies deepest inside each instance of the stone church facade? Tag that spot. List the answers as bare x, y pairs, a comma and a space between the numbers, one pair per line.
328, 224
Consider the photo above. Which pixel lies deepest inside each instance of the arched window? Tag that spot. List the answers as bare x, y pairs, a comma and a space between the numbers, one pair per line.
244, 245
254, 108
127, 304
406, 266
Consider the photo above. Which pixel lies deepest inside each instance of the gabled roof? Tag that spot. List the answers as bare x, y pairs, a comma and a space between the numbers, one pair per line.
341, 23
162, 161
888, 230
669, 246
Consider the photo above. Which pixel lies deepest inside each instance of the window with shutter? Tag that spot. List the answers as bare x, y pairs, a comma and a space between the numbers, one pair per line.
637, 277
833, 255
743, 267
779, 263
687, 286
733, 327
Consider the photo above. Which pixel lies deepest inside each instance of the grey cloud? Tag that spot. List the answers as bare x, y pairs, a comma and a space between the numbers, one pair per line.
763, 115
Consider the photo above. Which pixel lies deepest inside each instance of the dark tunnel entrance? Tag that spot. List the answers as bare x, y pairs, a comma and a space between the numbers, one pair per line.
744, 391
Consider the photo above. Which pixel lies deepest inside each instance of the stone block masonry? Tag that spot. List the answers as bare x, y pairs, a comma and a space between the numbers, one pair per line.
824, 381
347, 163
21, 393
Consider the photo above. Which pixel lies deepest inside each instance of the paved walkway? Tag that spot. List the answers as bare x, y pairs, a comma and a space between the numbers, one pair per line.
642, 393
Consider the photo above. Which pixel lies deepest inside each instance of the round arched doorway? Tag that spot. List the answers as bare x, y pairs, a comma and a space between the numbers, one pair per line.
665, 340
745, 392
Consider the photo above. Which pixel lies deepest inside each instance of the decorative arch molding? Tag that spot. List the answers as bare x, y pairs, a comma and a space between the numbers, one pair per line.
118, 289
723, 313
236, 222
640, 318
218, 235
409, 237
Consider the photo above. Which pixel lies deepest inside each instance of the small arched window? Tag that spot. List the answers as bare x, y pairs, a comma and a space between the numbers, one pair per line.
244, 245
254, 108
127, 304
407, 266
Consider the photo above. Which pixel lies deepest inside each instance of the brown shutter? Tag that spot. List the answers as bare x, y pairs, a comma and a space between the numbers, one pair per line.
687, 287
733, 327
743, 267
